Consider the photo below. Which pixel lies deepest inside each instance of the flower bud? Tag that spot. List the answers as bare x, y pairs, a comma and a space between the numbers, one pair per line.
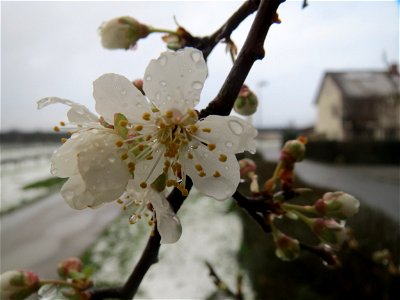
287, 248
246, 103
122, 33
293, 151
247, 167
329, 231
138, 83
68, 266
18, 284
337, 205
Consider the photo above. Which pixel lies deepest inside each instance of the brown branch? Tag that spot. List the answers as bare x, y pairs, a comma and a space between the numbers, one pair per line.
252, 50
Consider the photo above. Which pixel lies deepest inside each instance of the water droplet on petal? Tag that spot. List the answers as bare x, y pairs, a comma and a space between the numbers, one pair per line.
148, 78
229, 144
162, 60
158, 96
111, 159
197, 85
163, 83
123, 92
139, 105
74, 136
196, 56
133, 219
169, 97
236, 127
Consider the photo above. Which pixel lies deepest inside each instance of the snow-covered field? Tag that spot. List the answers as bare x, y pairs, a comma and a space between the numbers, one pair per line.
21, 165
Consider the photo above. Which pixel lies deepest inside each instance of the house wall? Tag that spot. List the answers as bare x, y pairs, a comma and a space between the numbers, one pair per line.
329, 123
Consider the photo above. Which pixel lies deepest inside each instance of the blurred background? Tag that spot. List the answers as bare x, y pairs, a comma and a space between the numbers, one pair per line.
330, 73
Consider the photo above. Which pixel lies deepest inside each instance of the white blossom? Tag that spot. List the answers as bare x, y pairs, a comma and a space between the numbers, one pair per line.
139, 137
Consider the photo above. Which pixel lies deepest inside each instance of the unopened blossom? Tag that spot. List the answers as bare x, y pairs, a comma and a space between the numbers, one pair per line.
287, 248
122, 33
338, 205
246, 103
329, 231
69, 266
18, 284
140, 137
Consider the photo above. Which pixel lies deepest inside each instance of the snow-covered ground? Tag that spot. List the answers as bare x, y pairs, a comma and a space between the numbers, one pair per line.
22, 165
210, 233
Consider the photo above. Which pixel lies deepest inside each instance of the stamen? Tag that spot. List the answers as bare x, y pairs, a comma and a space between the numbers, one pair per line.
208, 130
119, 201
143, 185
63, 140
202, 174
190, 155
138, 127
56, 128
119, 143
211, 147
62, 123
192, 113
146, 116
192, 128
198, 167
223, 158
217, 174
155, 109
123, 123
169, 114
124, 156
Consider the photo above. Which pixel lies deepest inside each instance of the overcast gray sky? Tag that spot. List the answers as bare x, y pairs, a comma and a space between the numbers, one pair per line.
53, 49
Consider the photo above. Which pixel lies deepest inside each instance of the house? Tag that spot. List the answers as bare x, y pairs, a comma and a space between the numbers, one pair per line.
359, 105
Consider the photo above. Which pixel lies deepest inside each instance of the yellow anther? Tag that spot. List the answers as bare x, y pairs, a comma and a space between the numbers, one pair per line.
62, 123
148, 138
124, 156
119, 143
171, 182
184, 192
141, 147
192, 113
143, 185
223, 157
131, 166
208, 130
190, 155
155, 109
161, 125
193, 128
217, 174
123, 123
138, 127
150, 222
56, 128
211, 147
169, 114
119, 201
149, 157
202, 174
63, 140
198, 167
124, 207
146, 116
69, 132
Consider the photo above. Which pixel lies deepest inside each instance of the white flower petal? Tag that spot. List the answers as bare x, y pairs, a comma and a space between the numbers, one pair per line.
148, 170
75, 193
116, 94
64, 162
230, 134
102, 170
168, 224
175, 79
78, 114
221, 179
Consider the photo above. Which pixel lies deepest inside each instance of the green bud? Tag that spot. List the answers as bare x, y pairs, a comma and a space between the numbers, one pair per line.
16, 285
287, 248
246, 103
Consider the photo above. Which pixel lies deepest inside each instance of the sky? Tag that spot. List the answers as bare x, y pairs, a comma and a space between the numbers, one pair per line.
53, 49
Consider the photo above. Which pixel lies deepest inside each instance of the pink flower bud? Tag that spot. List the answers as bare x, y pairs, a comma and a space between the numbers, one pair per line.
122, 33
138, 83
68, 266
247, 166
329, 231
293, 151
246, 103
338, 205
287, 248
18, 284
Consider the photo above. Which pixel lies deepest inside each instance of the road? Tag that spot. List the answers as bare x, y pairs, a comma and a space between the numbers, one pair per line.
379, 186
41, 235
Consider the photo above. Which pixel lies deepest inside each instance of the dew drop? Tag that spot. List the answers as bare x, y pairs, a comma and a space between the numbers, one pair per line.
205, 154
148, 78
139, 105
197, 85
169, 97
158, 96
236, 127
162, 60
123, 92
133, 219
196, 56
74, 136
163, 83
229, 144
111, 159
